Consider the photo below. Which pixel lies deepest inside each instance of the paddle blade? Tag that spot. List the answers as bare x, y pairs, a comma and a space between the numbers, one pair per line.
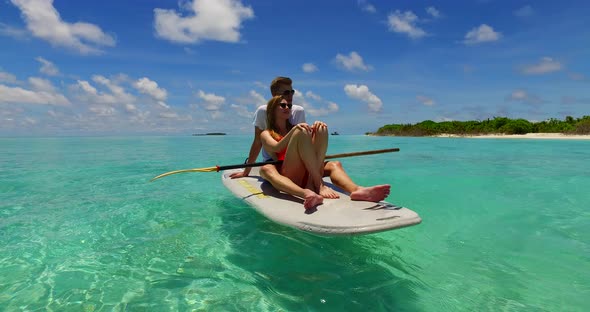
209, 169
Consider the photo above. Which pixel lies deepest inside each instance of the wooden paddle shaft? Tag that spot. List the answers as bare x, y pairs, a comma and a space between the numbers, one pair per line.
276, 162
219, 168
387, 150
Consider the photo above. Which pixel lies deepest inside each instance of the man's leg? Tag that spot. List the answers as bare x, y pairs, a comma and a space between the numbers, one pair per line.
341, 179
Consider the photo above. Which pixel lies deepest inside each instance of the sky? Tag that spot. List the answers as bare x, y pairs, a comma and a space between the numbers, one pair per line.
196, 66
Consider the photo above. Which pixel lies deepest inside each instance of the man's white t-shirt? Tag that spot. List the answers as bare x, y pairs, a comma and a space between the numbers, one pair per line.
297, 116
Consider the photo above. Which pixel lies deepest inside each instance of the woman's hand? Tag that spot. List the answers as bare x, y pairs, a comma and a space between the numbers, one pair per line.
304, 127
317, 125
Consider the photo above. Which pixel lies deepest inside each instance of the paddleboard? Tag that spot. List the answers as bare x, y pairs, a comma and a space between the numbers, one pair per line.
340, 216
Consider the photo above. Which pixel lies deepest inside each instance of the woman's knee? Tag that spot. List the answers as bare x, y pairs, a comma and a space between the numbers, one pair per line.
301, 135
267, 171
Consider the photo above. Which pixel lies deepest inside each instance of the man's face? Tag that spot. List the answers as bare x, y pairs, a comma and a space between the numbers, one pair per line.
287, 92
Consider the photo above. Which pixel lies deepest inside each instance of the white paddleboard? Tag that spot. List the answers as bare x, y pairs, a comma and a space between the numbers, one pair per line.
340, 216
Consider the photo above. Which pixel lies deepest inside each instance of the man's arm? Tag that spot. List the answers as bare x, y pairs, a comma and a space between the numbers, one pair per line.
252, 156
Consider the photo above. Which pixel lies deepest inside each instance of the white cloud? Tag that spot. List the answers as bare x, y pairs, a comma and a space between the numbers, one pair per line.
570, 100
212, 102
163, 104
366, 6
102, 110
149, 87
130, 108
86, 87
168, 115
352, 62
525, 11
118, 92
44, 22
40, 84
253, 99
313, 96
545, 65
332, 106
16, 33
18, 95
47, 67
432, 11
323, 111
483, 33
309, 68
30, 121
314, 104
91, 95
241, 110
361, 92
257, 98
573, 76
523, 96
218, 20
518, 95
405, 23
216, 115
425, 100
7, 77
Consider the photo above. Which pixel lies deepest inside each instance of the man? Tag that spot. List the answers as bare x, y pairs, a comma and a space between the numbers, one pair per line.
333, 169
279, 86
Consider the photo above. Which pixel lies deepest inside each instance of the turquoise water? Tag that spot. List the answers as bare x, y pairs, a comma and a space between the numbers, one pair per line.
505, 228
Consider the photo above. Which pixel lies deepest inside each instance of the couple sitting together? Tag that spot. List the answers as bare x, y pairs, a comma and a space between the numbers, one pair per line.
282, 133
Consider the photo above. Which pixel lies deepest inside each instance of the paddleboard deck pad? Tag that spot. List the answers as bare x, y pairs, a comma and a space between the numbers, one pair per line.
340, 216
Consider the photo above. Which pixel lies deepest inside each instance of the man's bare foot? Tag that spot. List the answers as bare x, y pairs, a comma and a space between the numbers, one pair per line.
327, 192
311, 199
372, 193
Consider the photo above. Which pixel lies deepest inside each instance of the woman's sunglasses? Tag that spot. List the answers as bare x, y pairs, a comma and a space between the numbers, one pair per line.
285, 105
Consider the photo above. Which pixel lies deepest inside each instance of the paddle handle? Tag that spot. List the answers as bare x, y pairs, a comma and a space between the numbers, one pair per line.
258, 164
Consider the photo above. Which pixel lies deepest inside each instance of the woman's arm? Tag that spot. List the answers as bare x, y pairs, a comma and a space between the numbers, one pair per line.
270, 144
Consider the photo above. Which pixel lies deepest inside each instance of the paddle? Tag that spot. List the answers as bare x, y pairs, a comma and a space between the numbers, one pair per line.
219, 168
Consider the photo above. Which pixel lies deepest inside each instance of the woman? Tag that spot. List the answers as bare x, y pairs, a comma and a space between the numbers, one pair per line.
302, 149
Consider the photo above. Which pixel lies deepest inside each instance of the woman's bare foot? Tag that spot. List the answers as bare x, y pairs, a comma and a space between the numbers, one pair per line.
327, 192
311, 199
372, 193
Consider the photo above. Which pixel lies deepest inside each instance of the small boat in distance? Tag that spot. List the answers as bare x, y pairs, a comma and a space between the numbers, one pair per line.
335, 133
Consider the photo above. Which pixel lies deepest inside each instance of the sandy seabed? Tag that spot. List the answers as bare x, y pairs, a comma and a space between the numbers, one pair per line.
552, 136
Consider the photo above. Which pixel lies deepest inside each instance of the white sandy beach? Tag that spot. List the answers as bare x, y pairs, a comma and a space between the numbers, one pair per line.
552, 136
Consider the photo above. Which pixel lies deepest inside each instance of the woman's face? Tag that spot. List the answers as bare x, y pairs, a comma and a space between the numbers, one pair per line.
283, 110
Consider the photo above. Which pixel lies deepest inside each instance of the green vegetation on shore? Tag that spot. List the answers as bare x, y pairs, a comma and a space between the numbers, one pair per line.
496, 125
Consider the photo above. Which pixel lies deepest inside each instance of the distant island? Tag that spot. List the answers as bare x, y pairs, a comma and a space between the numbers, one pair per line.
497, 125
210, 133
335, 133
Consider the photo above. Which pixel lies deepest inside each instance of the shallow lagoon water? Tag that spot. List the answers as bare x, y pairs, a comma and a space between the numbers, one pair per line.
505, 227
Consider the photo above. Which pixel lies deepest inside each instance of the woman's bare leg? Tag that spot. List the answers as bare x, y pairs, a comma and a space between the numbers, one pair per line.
301, 158
284, 184
320, 143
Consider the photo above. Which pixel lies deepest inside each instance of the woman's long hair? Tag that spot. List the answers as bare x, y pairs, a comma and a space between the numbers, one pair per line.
271, 125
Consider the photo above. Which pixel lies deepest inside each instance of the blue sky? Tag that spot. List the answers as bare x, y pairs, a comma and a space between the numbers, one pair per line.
193, 66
